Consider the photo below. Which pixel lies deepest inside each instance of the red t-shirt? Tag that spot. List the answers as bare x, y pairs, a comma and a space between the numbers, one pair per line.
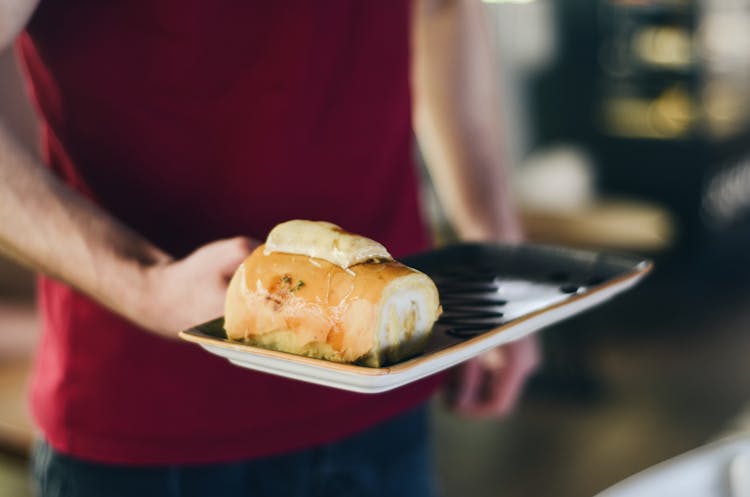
192, 121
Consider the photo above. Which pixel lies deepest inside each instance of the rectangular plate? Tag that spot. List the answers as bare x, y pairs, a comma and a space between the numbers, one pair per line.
491, 295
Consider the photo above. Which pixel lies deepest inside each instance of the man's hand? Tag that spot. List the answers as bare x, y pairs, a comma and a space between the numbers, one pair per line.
179, 294
52, 229
489, 385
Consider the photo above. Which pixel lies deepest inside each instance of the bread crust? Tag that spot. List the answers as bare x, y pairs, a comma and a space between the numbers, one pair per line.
309, 306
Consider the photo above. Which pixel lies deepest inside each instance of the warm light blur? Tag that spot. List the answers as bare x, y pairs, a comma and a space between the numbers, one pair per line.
666, 46
671, 115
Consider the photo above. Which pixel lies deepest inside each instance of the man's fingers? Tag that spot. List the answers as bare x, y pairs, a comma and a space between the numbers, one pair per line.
493, 359
506, 382
504, 390
496, 395
236, 250
464, 384
490, 385
524, 354
226, 255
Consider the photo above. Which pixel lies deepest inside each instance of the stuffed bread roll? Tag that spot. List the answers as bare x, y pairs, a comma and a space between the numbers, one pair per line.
342, 298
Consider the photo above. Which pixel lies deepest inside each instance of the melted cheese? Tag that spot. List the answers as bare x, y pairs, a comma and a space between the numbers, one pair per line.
323, 240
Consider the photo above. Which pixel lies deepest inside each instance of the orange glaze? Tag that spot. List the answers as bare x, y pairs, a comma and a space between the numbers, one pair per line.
313, 298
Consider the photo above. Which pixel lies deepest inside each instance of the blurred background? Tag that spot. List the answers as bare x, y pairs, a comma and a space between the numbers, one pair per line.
627, 125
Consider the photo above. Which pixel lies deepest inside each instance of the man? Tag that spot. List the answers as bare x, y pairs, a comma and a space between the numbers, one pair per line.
172, 127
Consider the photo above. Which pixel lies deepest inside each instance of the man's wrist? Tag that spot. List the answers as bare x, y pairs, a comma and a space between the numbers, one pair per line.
508, 231
146, 300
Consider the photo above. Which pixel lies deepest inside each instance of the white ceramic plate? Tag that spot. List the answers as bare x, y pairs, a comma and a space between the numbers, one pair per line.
719, 469
515, 290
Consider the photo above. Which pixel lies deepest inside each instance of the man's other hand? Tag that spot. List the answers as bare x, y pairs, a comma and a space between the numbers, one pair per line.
489, 385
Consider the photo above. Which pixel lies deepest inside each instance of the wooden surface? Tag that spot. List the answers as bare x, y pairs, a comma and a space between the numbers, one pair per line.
614, 224
18, 337
16, 427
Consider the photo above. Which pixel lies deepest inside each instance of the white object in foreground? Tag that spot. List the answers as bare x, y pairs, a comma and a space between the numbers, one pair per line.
719, 469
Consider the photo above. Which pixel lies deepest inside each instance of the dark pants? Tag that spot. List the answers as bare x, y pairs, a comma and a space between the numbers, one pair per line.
391, 459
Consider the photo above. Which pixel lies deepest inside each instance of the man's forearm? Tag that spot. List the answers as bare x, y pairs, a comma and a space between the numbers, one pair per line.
46, 226
457, 120
13, 17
